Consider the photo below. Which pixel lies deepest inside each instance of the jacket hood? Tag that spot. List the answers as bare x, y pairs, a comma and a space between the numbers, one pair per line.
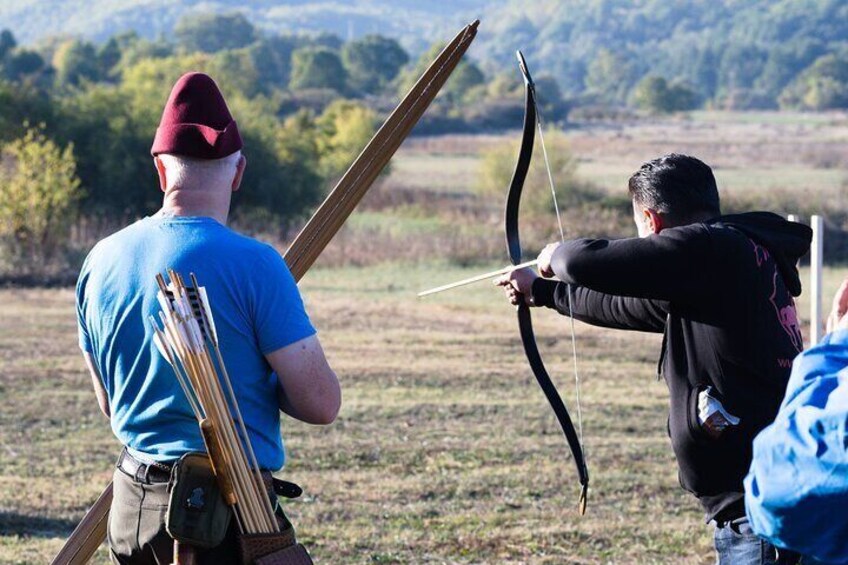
786, 241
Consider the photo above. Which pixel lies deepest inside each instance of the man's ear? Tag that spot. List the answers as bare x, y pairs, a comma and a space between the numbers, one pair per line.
239, 173
160, 170
653, 220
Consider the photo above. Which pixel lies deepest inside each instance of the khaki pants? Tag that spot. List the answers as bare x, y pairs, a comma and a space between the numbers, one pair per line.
136, 531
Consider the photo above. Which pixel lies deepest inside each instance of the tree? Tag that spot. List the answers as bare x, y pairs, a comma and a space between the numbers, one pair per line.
464, 78
236, 69
271, 58
75, 61
39, 190
549, 97
655, 94
609, 76
465, 75
325, 39
139, 49
210, 33
785, 62
146, 84
740, 66
343, 130
22, 63
112, 134
111, 53
317, 67
7, 43
496, 168
22, 103
822, 86
372, 62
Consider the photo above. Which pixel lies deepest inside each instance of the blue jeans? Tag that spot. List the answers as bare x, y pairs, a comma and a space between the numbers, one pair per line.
737, 544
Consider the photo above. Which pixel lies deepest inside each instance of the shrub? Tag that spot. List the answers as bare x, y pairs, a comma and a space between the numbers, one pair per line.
39, 191
497, 166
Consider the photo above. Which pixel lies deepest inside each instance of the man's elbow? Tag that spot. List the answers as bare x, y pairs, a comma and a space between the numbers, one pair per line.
327, 411
317, 404
326, 415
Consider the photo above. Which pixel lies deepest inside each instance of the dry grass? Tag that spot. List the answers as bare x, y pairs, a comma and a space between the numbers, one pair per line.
445, 451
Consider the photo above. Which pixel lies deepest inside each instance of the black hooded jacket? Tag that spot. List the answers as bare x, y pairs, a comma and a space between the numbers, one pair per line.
722, 292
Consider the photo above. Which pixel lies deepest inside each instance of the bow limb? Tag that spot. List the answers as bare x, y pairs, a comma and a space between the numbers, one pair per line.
519, 175
525, 323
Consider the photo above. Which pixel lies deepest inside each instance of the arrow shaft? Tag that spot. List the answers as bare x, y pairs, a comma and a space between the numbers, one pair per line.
477, 278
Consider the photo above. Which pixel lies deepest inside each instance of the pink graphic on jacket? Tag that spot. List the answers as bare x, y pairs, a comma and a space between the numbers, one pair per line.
787, 315
761, 253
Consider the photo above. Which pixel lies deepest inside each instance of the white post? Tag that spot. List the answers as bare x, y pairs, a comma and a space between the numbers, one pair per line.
816, 253
792, 218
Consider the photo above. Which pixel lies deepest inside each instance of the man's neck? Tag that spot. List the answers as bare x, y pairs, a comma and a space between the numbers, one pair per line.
188, 203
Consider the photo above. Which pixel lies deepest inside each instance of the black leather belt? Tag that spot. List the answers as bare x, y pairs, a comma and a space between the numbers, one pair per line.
146, 473
150, 473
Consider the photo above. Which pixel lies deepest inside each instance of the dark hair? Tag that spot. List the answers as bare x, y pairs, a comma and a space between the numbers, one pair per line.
678, 186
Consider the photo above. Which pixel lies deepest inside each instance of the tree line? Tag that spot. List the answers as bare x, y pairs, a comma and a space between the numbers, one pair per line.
676, 54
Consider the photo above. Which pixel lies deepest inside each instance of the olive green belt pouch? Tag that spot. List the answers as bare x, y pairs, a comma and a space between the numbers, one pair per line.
197, 513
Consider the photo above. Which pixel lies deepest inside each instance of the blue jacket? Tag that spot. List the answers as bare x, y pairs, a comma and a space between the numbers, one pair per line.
796, 493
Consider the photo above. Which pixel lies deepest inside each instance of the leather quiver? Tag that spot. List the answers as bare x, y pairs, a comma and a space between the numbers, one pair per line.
278, 548
292, 555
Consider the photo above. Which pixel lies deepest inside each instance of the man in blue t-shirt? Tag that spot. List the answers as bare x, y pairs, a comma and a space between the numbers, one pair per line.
268, 343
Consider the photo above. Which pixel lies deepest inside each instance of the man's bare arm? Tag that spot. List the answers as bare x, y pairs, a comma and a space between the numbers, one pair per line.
308, 388
99, 391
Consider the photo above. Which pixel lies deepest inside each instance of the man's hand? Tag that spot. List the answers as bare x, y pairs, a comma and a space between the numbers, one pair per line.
518, 285
712, 415
544, 260
838, 320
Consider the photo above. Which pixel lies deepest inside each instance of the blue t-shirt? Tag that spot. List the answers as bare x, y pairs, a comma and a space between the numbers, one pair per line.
256, 306
796, 494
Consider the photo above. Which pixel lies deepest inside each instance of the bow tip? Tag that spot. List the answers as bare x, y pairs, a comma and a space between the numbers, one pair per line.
584, 494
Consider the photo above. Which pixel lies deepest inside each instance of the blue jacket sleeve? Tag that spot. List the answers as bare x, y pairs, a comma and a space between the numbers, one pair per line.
796, 493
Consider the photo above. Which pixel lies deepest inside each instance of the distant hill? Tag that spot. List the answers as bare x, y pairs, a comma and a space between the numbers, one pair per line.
415, 24
664, 53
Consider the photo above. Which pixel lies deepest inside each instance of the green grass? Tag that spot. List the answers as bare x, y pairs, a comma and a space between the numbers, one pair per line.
442, 172
398, 222
444, 451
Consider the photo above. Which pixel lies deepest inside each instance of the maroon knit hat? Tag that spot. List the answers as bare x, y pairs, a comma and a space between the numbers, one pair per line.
196, 121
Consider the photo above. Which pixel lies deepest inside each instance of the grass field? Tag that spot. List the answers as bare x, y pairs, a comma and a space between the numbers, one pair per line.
444, 452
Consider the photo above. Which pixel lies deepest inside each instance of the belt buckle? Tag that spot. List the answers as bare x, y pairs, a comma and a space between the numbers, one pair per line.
145, 470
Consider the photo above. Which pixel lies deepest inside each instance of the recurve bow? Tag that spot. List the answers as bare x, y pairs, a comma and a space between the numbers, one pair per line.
513, 244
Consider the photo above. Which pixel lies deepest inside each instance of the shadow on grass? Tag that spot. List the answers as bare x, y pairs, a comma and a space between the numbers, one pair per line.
12, 524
